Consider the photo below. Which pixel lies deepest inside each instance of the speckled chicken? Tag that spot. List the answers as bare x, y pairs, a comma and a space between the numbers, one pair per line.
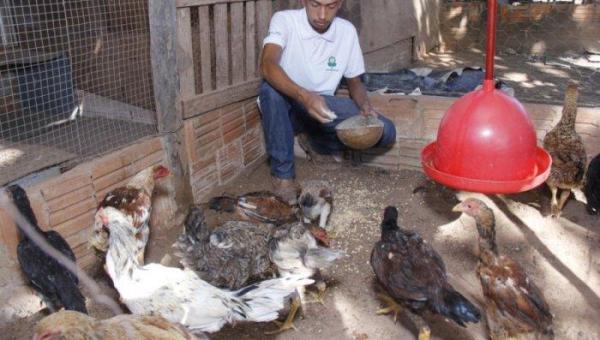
259, 206
413, 274
230, 256
514, 304
316, 200
180, 295
70, 325
591, 188
568, 154
237, 253
135, 200
48, 276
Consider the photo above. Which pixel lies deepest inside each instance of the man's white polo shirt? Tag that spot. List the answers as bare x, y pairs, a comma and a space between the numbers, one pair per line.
312, 60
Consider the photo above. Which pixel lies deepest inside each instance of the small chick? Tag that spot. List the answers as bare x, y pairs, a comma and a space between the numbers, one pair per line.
316, 200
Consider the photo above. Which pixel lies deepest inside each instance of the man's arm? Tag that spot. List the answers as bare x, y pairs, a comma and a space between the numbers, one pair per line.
273, 73
358, 93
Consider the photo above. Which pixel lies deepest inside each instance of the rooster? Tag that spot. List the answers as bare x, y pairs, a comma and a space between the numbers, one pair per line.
315, 201
53, 281
514, 304
135, 200
70, 325
592, 186
414, 274
568, 154
180, 295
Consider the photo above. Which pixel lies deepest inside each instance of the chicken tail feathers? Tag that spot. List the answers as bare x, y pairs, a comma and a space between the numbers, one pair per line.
261, 302
69, 294
20, 199
194, 224
458, 308
321, 257
223, 203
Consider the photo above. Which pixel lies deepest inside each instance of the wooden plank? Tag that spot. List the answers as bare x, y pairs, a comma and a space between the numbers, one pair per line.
76, 224
8, 233
79, 238
64, 215
205, 48
185, 57
64, 184
238, 53
87, 260
121, 158
71, 198
263, 14
221, 45
194, 3
251, 46
210, 101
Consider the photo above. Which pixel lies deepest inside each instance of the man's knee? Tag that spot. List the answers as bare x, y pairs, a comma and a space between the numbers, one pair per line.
389, 132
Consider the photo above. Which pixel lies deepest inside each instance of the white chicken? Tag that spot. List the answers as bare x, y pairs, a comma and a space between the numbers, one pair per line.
180, 295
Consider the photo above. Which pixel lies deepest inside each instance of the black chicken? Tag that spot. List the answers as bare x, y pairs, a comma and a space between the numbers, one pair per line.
56, 283
414, 275
592, 186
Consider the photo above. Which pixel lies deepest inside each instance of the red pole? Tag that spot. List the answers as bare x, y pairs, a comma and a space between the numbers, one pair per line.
491, 43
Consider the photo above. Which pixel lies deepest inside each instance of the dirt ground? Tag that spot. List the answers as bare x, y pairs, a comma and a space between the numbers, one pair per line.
561, 255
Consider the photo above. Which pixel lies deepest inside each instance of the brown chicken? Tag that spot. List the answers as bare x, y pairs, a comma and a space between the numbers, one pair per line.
71, 325
263, 207
568, 154
258, 207
514, 304
414, 275
134, 200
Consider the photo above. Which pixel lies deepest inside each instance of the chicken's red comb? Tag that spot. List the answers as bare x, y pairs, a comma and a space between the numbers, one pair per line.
161, 171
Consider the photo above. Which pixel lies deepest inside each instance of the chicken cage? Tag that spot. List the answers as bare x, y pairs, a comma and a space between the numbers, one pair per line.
76, 82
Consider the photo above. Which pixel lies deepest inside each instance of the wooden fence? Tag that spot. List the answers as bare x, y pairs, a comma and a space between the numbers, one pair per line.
219, 43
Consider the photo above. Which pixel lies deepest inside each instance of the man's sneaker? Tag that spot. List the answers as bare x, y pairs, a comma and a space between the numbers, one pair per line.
287, 189
327, 162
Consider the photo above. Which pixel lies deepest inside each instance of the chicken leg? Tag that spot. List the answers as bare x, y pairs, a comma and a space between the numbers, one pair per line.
320, 296
393, 306
289, 320
554, 209
564, 196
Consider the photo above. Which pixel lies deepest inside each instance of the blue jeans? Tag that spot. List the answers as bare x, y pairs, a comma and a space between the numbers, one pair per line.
282, 118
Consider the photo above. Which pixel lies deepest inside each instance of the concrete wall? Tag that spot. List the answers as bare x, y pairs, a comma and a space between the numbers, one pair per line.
391, 32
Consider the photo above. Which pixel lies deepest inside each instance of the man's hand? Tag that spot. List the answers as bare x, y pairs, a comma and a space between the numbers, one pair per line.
368, 110
317, 108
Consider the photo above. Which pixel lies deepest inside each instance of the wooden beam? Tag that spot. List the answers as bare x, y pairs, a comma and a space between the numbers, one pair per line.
251, 46
163, 50
263, 14
185, 57
216, 99
195, 3
206, 67
221, 26
238, 52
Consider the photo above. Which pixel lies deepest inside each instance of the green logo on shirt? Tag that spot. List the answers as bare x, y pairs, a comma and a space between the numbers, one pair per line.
331, 63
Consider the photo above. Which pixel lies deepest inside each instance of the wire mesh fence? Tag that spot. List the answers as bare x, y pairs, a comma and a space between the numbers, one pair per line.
75, 81
541, 46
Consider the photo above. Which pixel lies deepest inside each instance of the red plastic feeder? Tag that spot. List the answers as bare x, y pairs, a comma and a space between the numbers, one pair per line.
486, 141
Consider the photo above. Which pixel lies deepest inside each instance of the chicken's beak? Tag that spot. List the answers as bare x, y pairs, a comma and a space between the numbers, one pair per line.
458, 208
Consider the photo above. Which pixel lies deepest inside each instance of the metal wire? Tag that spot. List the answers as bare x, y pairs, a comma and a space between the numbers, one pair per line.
541, 46
75, 81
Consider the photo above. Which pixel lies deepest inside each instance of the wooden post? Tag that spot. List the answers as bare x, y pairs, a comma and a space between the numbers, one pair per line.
167, 58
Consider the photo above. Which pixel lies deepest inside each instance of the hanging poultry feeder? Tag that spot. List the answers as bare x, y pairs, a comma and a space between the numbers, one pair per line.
486, 141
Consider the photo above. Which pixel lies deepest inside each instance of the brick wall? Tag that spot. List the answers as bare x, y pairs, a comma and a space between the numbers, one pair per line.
417, 120
221, 143
67, 203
